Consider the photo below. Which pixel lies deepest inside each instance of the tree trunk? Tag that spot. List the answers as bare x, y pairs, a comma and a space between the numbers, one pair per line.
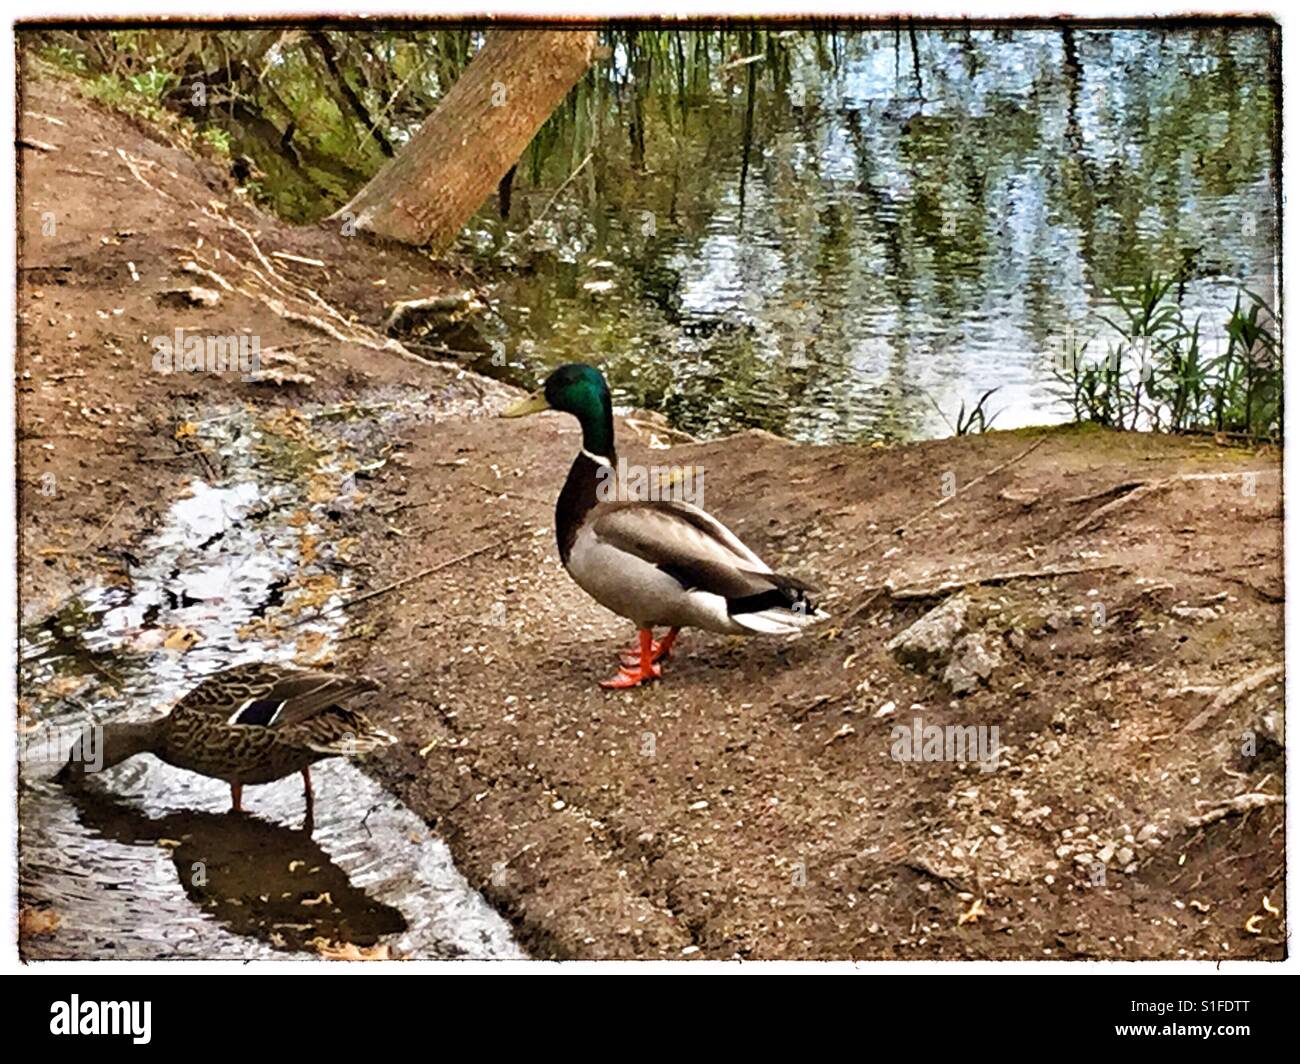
475, 135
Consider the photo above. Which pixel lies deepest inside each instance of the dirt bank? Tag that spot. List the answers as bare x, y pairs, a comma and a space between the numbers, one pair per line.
1121, 627
113, 223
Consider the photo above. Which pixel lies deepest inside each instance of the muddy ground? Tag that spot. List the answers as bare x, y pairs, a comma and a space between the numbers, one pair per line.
1121, 623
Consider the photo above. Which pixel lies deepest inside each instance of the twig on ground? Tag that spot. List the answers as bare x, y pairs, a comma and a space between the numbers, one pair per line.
966, 487
1104, 493
396, 584
287, 257
496, 492
1234, 692
912, 521
111, 518
956, 584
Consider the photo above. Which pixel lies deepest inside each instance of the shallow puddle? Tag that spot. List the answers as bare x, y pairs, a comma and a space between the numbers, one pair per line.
147, 861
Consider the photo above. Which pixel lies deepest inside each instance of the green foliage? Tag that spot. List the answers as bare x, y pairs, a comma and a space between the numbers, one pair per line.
977, 421
274, 98
1157, 374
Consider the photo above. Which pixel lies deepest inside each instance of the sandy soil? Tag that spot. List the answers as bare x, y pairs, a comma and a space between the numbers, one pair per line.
748, 805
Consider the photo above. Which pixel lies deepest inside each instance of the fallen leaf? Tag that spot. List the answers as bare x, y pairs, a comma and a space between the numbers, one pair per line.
38, 922
347, 951
181, 639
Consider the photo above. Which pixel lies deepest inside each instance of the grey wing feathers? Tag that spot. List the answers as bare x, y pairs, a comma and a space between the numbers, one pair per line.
694, 548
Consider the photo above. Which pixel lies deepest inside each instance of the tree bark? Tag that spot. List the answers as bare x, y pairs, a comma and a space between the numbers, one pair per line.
475, 135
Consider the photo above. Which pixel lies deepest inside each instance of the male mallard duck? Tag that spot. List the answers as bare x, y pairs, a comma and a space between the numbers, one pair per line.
658, 563
249, 724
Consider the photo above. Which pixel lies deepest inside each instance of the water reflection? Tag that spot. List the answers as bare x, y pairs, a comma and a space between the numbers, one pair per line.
923, 216
253, 877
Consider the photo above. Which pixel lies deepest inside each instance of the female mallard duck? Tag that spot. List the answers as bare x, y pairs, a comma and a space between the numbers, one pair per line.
249, 724
658, 563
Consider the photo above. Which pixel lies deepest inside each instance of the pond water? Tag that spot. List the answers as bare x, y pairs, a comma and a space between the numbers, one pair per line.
147, 861
843, 241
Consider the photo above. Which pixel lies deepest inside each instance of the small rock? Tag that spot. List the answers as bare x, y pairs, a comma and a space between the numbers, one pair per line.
973, 660
885, 710
1106, 853
925, 644
1195, 613
1147, 832
1124, 855
1272, 725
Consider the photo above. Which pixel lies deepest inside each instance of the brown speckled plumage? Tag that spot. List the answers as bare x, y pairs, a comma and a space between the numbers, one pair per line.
248, 724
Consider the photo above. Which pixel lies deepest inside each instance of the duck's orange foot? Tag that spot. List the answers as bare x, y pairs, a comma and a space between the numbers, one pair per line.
644, 666
632, 676
659, 650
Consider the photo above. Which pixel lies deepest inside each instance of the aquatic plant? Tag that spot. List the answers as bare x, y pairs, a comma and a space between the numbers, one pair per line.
1156, 373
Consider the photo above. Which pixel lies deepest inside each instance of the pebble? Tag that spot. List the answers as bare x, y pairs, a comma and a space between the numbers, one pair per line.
1125, 856
1195, 613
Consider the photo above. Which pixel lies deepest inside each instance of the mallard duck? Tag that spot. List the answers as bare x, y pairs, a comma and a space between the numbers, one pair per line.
249, 724
658, 563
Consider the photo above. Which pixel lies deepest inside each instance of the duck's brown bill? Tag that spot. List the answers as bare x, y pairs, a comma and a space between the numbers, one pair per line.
534, 404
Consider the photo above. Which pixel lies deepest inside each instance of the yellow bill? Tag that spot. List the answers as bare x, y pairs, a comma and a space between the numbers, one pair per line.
533, 404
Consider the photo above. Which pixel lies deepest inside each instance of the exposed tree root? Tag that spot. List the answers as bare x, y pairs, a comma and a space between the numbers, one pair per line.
279, 294
1136, 490
1243, 803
